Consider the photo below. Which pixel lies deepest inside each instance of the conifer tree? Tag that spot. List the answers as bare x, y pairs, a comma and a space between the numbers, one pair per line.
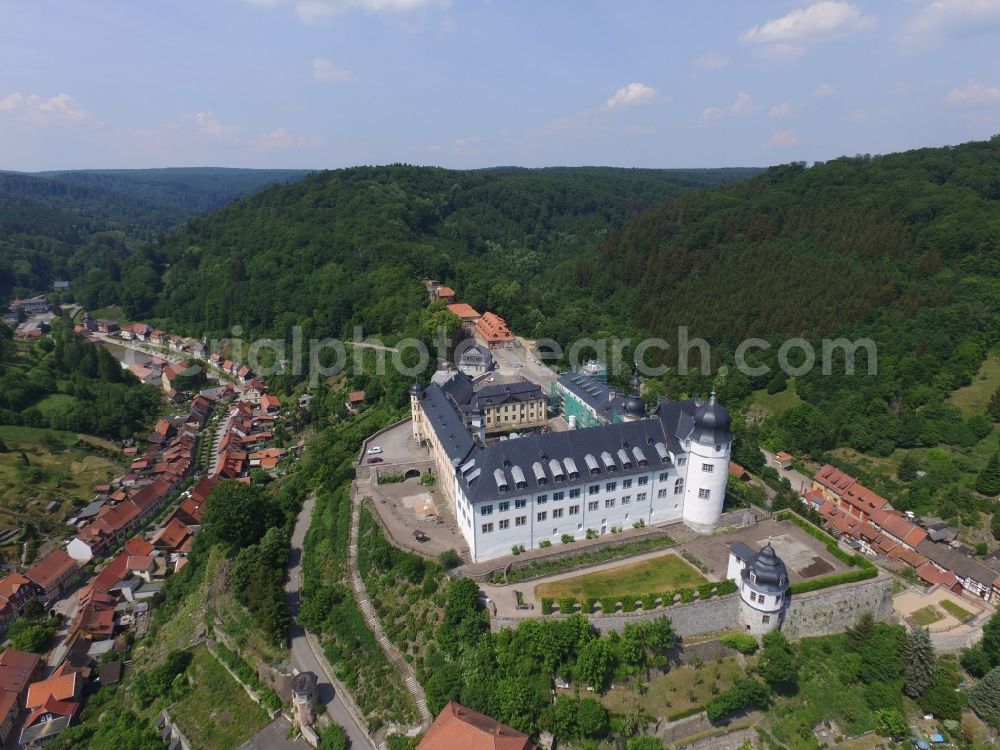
919, 662
988, 481
993, 407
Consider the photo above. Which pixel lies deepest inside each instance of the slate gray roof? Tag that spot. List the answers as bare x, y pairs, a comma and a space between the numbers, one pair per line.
509, 393
959, 564
770, 573
559, 459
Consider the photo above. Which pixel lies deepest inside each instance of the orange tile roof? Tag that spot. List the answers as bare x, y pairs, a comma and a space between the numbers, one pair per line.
863, 499
445, 291
138, 547
461, 728
464, 311
493, 328
60, 688
10, 585
783, 456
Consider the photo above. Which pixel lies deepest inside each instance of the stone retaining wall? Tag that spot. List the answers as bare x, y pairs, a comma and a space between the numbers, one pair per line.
822, 612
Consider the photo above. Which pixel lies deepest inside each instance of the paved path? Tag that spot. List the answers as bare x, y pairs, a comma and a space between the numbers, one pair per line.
800, 482
372, 621
306, 653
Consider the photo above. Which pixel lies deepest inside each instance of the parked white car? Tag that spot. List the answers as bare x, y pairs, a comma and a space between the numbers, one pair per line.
374, 450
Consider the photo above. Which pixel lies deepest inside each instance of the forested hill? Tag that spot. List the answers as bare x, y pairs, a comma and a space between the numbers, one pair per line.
61, 225
349, 246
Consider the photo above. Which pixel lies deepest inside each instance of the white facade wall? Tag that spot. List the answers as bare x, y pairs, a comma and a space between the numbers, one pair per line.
572, 514
705, 484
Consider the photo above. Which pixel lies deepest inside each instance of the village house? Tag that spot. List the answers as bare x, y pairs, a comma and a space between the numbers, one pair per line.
106, 326
135, 332
494, 331
355, 400
270, 403
17, 670
782, 460
445, 293
15, 592
52, 705
51, 574
32, 306
465, 312
458, 727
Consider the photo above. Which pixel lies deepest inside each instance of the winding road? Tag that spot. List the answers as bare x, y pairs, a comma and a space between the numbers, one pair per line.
306, 654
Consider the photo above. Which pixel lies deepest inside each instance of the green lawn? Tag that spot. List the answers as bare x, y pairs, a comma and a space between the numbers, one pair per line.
972, 399
217, 714
55, 404
660, 574
927, 615
954, 610
109, 313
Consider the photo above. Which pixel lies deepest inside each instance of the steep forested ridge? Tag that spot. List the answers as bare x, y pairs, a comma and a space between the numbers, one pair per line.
349, 247
65, 225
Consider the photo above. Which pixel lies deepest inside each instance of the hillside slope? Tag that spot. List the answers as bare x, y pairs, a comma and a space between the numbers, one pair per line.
61, 225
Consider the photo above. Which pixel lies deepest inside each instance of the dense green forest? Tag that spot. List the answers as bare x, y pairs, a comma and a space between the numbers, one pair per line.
81, 225
65, 384
350, 246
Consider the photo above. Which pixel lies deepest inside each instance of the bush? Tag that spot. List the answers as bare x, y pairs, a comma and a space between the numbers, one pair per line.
544, 544
609, 605
567, 538
449, 559
567, 605
547, 605
745, 644
744, 694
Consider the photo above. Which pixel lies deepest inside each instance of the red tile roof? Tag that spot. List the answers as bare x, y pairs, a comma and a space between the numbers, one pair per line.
461, 728
138, 547
493, 328
51, 568
863, 499
930, 574
445, 291
16, 670
834, 479
464, 311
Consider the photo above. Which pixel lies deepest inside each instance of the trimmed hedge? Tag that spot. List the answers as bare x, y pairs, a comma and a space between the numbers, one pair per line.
745, 644
690, 711
632, 602
866, 568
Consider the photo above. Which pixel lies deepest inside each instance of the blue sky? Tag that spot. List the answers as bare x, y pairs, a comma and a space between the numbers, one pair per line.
473, 83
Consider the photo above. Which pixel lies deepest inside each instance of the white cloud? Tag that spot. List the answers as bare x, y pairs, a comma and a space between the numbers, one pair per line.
60, 109
974, 93
950, 18
318, 11
282, 139
780, 110
785, 38
711, 61
782, 138
743, 104
824, 90
822, 20
632, 95
467, 146
324, 70
208, 124
858, 115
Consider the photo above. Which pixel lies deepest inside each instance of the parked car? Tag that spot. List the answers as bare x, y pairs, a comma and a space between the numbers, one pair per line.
375, 460
374, 450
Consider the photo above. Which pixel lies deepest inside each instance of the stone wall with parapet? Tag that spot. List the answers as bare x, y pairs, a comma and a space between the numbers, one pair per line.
822, 612
835, 609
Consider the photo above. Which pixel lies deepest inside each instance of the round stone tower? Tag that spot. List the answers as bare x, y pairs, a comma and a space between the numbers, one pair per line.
304, 696
763, 583
708, 450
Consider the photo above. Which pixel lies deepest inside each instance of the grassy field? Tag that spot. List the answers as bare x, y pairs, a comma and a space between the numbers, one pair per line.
680, 689
954, 610
660, 574
109, 313
927, 615
61, 466
770, 404
972, 399
217, 714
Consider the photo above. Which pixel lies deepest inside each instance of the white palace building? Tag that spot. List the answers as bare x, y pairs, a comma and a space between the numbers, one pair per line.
662, 467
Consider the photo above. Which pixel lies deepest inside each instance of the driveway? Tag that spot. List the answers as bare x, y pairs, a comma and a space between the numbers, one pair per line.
303, 655
800, 482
